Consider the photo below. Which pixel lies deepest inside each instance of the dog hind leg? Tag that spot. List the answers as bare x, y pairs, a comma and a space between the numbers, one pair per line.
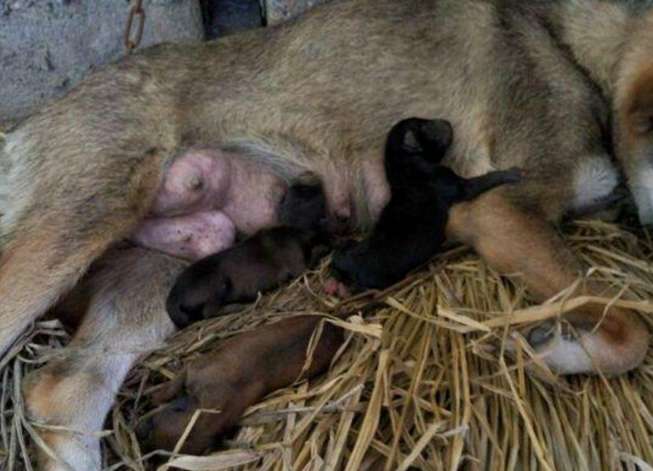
126, 320
512, 240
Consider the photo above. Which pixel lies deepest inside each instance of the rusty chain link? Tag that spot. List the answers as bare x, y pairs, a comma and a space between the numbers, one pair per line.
132, 41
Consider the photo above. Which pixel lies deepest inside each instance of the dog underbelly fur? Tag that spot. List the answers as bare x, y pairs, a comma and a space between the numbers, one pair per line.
595, 178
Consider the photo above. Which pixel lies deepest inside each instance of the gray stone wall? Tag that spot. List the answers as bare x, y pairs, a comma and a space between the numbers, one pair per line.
46, 46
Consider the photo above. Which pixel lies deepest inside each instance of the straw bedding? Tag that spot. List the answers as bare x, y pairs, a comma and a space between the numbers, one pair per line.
423, 382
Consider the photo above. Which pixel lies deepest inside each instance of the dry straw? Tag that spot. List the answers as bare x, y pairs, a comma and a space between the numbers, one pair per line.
423, 381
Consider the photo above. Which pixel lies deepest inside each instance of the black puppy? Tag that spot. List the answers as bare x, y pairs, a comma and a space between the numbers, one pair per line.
260, 263
411, 228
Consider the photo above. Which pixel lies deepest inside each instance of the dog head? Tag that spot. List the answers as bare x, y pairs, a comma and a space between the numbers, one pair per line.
304, 204
633, 123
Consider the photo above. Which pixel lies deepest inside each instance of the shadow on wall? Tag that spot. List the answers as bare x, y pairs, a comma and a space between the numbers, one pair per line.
223, 17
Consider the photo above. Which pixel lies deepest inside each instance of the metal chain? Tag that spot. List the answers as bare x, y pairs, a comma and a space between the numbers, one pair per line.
132, 40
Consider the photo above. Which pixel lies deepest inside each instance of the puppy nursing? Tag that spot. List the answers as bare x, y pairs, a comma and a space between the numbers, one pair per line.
411, 228
260, 263
409, 232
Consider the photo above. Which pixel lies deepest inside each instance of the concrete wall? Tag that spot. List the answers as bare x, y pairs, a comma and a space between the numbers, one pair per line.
46, 46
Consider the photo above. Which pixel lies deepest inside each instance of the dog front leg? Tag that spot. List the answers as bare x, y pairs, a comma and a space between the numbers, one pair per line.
516, 241
126, 319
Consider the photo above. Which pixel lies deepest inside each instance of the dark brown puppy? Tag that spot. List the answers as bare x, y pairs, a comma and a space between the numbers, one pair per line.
239, 373
260, 263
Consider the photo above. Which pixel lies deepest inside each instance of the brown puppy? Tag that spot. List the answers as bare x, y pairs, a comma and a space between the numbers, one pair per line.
236, 375
260, 263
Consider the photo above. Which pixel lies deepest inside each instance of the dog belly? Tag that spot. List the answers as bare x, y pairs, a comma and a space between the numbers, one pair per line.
207, 197
190, 236
210, 197
595, 180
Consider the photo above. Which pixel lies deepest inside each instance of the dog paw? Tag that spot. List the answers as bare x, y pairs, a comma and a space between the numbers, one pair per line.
541, 335
554, 346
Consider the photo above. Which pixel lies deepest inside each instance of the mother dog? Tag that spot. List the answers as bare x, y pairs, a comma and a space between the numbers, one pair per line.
182, 147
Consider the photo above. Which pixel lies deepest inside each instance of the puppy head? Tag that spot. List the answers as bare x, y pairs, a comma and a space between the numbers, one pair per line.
414, 150
434, 137
202, 284
427, 139
304, 204
163, 430
208, 390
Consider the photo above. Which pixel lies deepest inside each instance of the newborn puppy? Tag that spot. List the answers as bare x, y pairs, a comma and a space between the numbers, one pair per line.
234, 376
411, 228
260, 263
